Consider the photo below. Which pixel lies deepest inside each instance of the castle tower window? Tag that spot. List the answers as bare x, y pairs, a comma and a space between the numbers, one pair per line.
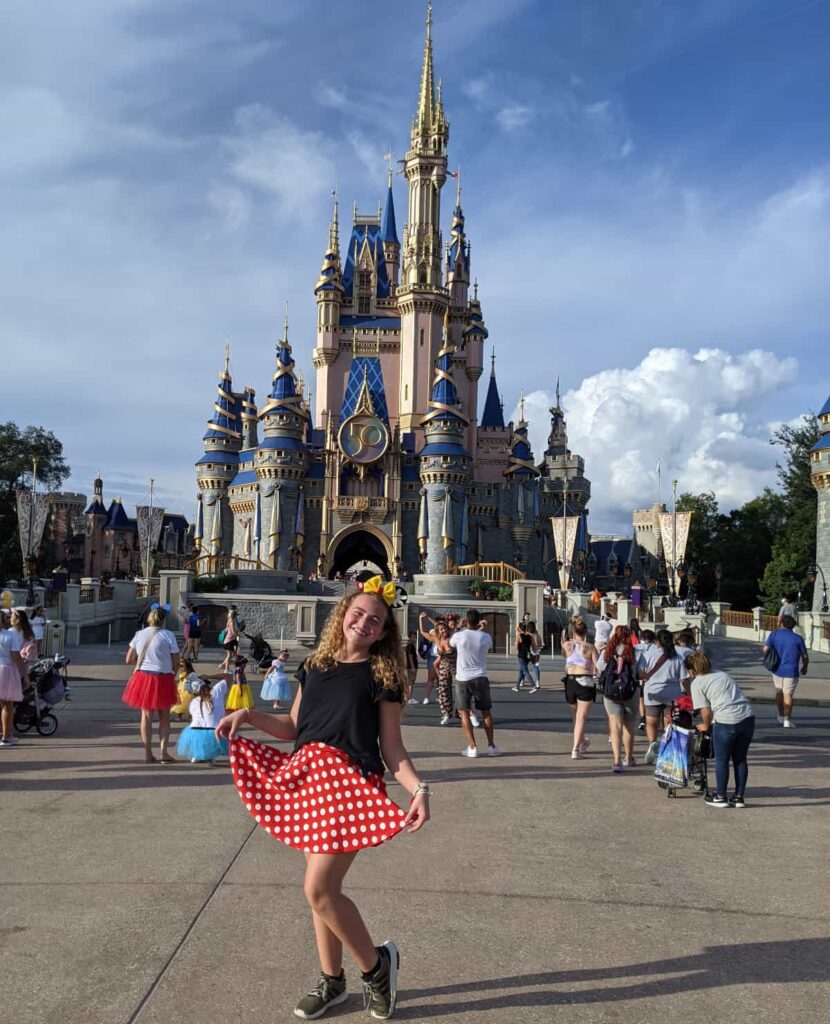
364, 304
364, 279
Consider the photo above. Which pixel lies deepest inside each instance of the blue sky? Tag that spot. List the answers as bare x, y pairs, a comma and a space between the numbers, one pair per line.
647, 191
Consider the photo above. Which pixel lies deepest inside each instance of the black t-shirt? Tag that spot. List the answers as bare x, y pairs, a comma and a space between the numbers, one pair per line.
525, 642
340, 708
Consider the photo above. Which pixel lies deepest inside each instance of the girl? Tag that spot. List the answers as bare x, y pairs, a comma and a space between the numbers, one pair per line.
152, 687
194, 633
231, 638
199, 741
275, 685
622, 715
580, 688
28, 643
345, 717
38, 621
536, 644
663, 672
524, 645
240, 693
13, 675
411, 666
181, 710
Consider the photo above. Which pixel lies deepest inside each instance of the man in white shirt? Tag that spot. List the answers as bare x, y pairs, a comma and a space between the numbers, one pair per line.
602, 631
471, 682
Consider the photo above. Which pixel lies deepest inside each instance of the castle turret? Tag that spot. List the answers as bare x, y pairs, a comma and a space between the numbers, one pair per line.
329, 291
820, 476
445, 466
422, 298
96, 518
218, 466
249, 418
281, 459
389, 237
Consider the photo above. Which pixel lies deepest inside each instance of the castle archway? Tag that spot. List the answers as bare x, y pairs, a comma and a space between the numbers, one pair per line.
357, 544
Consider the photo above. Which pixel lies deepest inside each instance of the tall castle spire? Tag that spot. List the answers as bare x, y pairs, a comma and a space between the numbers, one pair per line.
426, 97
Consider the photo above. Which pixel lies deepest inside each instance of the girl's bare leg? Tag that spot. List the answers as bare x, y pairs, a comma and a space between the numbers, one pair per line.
146, 731
164, 730
337, 921
629, 727
7, 717
580, 718
615, 732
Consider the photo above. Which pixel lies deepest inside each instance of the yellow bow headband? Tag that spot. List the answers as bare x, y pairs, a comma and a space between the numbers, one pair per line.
388, 591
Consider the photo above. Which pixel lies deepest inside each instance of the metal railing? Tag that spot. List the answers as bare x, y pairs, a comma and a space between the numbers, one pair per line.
730, 618
218, 565
491, 572
769, 622
146, 590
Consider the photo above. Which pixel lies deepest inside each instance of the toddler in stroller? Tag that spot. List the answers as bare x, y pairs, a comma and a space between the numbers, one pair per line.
48, 687
683, 752
261, 653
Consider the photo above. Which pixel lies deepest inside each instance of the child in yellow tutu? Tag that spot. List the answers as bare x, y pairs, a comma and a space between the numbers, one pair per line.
239, 695
181, 710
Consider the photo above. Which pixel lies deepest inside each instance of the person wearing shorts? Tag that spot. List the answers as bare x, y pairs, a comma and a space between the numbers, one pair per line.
580, 685
623, 715
792, 664
471, 682
663, 673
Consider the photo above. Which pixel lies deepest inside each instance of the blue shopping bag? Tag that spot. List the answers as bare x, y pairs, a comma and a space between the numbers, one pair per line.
672, 766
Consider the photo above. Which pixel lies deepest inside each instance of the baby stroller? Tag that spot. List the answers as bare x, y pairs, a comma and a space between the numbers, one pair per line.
48, 687
261, 653
683, 752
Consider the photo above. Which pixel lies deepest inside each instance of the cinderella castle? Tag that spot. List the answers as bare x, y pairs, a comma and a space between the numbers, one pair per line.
396, 464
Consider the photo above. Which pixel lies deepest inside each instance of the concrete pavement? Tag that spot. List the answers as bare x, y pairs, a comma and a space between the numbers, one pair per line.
543, 889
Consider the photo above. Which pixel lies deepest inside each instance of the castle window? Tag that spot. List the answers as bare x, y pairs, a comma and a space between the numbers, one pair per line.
364, 304
422, 337
364, 279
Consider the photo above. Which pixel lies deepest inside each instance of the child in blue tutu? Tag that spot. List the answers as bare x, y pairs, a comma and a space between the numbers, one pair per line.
275, 686
198, 741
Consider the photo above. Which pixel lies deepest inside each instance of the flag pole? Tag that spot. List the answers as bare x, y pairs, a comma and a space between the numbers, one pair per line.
149, 535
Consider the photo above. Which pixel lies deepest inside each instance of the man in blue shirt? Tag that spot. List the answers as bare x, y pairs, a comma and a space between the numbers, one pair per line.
793, 662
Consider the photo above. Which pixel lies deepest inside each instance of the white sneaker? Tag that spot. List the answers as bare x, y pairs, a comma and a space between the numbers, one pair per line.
11, 741
515, 689
585, 743
425, 700
469, 752
576, 754
493, 751
788, 724
446, 720
533, 689
651, 753
413, 700
475, 721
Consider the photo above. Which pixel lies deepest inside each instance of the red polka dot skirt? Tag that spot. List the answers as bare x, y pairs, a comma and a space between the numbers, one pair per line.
315, 799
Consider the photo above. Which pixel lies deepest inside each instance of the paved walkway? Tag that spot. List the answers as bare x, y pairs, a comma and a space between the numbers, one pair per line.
543, 890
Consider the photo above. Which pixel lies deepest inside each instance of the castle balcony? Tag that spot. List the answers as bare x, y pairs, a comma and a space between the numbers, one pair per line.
358, 508
491, 572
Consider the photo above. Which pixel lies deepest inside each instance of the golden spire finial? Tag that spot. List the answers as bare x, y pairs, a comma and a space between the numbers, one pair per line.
285, 325
475, 289
334, 228
389, 156
426, 99
227, 357
493, 362
522, 406
557, 391
458, 187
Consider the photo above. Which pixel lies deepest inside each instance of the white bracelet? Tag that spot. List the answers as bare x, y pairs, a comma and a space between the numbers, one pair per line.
422, 787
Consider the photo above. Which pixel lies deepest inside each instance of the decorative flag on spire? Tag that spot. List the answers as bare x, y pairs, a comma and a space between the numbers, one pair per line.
257, 526
423, 522
275, 528
299, 521
216, 532
199, 529
447, 537
465, 530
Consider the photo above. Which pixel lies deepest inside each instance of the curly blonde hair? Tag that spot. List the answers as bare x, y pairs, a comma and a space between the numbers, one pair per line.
386, 655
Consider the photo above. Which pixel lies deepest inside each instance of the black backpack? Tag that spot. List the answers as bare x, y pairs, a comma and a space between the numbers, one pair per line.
423, 647
616, 686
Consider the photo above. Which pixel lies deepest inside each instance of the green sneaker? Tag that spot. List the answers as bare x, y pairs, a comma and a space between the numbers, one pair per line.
328, 992
380, 993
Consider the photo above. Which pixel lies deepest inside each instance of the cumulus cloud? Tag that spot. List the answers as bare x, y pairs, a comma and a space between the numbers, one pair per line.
514, 116
269, 152
697, 412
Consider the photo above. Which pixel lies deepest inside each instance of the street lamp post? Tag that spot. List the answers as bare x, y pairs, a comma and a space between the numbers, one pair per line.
718, 577
814, 570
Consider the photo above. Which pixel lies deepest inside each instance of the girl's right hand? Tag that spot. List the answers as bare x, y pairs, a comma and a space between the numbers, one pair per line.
229, 726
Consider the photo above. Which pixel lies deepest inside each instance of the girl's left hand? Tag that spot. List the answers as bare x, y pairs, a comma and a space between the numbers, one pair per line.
418, 814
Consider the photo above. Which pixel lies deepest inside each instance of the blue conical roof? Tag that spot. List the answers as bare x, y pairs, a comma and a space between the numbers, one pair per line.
284, 394
225, 419
388, 228
825, 409
492, 416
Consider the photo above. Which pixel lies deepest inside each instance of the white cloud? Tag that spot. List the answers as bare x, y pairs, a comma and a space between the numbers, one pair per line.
695, 412
514, 116
273, 155
331, 96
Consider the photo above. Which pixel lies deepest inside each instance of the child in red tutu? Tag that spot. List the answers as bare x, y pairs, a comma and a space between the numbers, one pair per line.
152, 687
328, 798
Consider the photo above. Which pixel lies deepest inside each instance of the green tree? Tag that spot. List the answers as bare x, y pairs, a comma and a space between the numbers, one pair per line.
18, 449
745, 547
703, 546
795, 544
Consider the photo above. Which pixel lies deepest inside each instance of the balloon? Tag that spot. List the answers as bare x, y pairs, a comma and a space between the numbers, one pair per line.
7, 599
